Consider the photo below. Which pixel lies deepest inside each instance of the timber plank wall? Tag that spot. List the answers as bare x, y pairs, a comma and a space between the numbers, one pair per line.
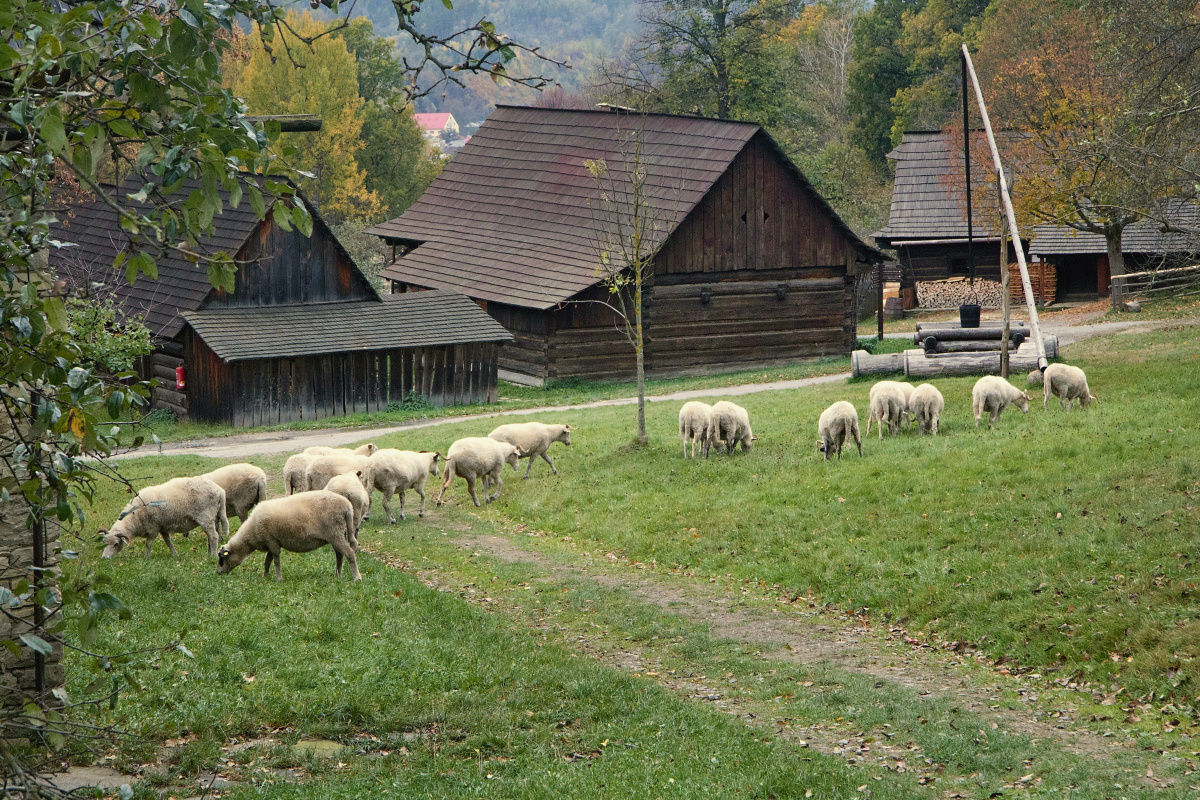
757, 274
273, 391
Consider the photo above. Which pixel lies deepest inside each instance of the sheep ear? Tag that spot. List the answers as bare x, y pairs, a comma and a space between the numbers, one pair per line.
568, 428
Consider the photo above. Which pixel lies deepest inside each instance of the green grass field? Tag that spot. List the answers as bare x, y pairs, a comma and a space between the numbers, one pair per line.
1062, 543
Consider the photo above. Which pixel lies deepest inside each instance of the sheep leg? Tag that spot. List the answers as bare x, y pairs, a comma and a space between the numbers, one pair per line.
420, 490
278, 568
870, 418
857, 440
1045, 394
387, 509
528, 467
267, 564
446, 483
170, 545
470, 479
546, 458
344, 551
1064, 404
499, 482
934, 425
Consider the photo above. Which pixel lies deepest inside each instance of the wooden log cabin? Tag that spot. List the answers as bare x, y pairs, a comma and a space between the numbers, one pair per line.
303, 335
751, 266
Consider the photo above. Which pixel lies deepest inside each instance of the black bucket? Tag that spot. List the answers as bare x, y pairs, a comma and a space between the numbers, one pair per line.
968, 315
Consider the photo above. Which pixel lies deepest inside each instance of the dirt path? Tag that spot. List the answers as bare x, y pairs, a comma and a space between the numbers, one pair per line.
249, 445
271, 443
793, 634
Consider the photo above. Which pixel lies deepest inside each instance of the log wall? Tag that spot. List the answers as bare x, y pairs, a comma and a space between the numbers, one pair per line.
273, 391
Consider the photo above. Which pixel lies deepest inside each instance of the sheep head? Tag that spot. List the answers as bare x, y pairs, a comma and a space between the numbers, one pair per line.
514, 458
1022, 402
114, 542
228, 560
564, 436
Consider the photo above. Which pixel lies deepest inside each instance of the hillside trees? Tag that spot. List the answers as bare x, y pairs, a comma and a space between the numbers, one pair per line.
1106, 136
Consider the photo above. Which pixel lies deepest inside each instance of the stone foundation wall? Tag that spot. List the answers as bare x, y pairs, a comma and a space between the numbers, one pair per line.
17, 676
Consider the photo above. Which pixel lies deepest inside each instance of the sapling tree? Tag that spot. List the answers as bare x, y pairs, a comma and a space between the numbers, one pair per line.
631, 219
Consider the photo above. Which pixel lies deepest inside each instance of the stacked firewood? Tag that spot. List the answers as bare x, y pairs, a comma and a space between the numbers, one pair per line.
953, 292
1042, 276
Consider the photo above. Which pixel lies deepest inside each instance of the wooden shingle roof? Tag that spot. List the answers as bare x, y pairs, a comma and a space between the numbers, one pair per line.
511, 218
1145, 236
93, 230
927, 202
414, 319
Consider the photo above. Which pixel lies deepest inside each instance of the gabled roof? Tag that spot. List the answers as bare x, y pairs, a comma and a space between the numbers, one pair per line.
433, 121
92, 227
926, 202
414, 319
511, 218
1145, 236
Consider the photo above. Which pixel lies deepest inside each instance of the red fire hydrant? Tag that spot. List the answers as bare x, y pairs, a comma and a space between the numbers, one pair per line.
180, 377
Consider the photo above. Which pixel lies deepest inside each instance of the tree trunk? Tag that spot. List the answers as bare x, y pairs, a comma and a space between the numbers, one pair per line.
1116, 262
640, 346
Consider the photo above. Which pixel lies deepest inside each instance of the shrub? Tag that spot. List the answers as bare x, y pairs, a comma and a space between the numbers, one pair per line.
411, 402
109, 341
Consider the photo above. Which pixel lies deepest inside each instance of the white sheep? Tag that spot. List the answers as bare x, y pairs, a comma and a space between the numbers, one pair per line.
245, 487
397, 471
731, 426
177, 506
695, 424
1034, 378
300, 523
837, 425
926, 405
888, 403
905, 388
351, 487
362, 450
1068, 384
295, 474
322, 468
476, 457
295, 471
992, 395
534, 439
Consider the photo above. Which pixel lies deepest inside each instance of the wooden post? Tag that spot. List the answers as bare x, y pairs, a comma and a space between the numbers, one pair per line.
1004, 287
879, 311
1013, 229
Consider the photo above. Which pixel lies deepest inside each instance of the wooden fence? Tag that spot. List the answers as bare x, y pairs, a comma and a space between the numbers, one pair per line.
1176, 282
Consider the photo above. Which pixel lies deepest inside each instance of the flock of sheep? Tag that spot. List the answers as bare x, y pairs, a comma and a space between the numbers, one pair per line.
724, 424
327, 495
327, 491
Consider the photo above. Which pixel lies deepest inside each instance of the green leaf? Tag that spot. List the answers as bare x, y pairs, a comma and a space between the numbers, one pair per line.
37, 643
448, 3
52, 131
116, 401
122, 127
281, 216
56, 313
302, 220
257, 205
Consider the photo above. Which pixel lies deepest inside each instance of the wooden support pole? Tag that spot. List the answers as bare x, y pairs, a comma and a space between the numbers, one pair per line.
1005, 305
1013, 230
879, 311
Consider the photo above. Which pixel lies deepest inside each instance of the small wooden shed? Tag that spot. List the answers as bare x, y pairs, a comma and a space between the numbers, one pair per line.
751, 267
303, 335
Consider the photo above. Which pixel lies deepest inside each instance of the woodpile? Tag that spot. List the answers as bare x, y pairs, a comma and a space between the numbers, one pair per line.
953, 292
1043, 277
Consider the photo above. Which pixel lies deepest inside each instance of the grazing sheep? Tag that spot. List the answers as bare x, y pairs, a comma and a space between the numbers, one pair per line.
905, 388
351, 487
300, 523
731, 425
889, 403
695, 425
245, 487
295, 474
838, 424
1068, 384
926, 405
476, 457
362, 450
992, 395
534, 438
177, 506
397, 471
1034, 378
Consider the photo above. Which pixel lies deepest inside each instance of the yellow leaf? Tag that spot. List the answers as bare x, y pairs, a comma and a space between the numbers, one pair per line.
76, 424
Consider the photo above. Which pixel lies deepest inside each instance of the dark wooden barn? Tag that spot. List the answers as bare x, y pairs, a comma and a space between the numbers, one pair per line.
752, 267
302, 336
927, 225
1081, 259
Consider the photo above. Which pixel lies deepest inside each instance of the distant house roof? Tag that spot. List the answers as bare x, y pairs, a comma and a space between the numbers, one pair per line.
414, 319
926, 203
434, 121
92, 227
511, 218
1145, 236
